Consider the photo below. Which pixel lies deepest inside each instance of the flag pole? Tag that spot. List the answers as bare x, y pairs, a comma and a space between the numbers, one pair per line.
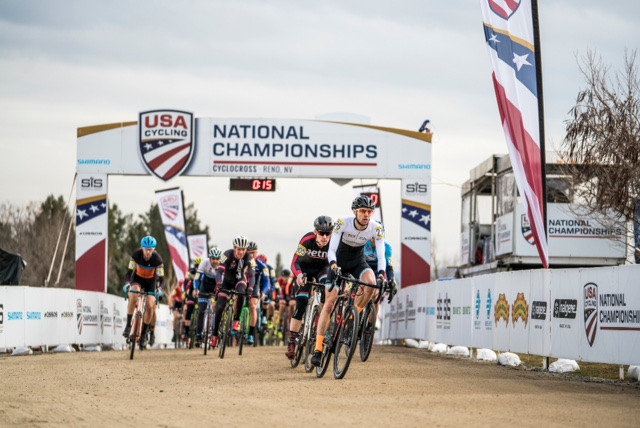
543, 156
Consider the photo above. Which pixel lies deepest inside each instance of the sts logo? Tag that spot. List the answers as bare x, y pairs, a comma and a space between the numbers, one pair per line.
90, 183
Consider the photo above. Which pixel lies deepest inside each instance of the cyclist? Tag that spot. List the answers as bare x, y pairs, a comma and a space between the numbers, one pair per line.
267, 295
206, 282
371, 256
233, 272
262, 282
176, 304
310, 258
284, 291
145, 267
190, 296
346, 255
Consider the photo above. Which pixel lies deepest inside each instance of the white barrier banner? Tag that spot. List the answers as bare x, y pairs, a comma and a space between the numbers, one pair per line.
14, 316
511, 311
483, 315
443, 311
406, 312
540, 312
461, 319
87, 317
49, 316
565, 321
3, 303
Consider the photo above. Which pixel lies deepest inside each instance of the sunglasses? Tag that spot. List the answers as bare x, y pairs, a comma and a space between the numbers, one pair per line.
365, 211
324, 233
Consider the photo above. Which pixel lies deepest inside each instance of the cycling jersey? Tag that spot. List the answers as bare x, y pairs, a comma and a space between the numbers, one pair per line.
232, 270
371, 258
206, 277
309, 255
347, 242
263, 277
145, 272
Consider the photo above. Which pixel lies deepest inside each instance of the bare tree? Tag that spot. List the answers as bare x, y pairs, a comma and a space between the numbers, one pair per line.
602, 144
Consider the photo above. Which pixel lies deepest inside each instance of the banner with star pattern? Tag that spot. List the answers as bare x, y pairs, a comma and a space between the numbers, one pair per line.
92, 226
416, 230
172, 214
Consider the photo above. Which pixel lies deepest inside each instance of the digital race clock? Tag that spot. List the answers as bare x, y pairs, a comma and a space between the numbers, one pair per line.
253, 184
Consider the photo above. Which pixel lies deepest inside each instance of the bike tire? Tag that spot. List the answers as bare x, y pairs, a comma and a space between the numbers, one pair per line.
133, 336
227, 325
346, 343
205, 333
193, 328
369, 316
242, 333
310, 344
328, 346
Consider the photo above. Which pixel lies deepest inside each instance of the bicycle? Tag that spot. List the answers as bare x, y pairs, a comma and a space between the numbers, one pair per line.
226, 323
368, 321
193, 328
177, 332
209, 316
137, 321
306, 342
343, 331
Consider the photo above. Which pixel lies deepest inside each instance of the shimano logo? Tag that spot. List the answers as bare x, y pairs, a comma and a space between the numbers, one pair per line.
14, 316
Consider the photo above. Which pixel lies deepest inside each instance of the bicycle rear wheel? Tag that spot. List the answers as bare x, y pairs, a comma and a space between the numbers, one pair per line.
300, 346
369, 316
310, 344
193, 327
346, 343
224, 335
242, 333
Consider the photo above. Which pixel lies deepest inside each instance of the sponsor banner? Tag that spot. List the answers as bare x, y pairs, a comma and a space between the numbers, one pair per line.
406, 308
540, 312
483, 291
504, 234
198, 246
461, 311
444, 293
92, 226
566, 326
14, 316
415, 237
240, 147
49, 316
171, 208
569, 233
112, 318
511, 311
87, 316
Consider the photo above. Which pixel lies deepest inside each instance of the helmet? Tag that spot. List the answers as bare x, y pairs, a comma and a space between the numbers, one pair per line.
286, 272
263, 258
215, 253
252, 246
240, 241
197, 261
363, 201
148, 242
323, 224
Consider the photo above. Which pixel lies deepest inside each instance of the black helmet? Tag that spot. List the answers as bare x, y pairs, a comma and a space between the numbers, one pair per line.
363, 201
252, 246
286, 272
323, 224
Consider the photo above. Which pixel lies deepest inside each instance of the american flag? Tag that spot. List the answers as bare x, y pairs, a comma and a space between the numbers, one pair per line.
509, 33
166, 158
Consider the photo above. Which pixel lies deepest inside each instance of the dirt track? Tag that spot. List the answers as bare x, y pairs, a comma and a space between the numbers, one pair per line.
396, 387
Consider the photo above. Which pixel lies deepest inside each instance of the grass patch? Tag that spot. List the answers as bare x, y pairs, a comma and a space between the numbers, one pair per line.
587, 370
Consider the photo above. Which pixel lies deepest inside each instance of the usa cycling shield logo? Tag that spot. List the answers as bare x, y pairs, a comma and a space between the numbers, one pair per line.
527, 233
591, 311
504, 9
166, 142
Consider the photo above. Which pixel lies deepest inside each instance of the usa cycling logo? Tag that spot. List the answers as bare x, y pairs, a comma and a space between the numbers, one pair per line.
527, 233
166, 142
170, 206
504, 9
591, 311
79, 315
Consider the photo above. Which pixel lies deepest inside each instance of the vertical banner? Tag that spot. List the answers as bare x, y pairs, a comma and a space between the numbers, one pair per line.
416, 231
92, 227
197, 246
172, 213
511, 35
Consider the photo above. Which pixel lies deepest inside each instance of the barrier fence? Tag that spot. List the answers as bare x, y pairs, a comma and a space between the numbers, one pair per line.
590, 315
32, 316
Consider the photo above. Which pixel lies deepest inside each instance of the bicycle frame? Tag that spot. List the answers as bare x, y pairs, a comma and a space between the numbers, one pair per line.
305, 343
209, 316
224, 331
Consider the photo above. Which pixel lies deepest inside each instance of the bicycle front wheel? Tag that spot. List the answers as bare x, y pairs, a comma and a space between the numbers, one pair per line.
368, 330
133, 336
310, 344
244, 325
346, 342
225, 334
205, 333
329, 344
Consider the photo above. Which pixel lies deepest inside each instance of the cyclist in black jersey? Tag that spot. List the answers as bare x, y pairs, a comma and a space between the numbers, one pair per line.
233, 272
190, 296
311, 259
146, 271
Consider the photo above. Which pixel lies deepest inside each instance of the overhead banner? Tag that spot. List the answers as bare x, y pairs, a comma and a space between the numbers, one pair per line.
197, 246
510, 32
172, 213
170, 143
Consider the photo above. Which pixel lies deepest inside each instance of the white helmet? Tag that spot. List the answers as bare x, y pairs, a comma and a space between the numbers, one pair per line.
240, 242
215, 253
